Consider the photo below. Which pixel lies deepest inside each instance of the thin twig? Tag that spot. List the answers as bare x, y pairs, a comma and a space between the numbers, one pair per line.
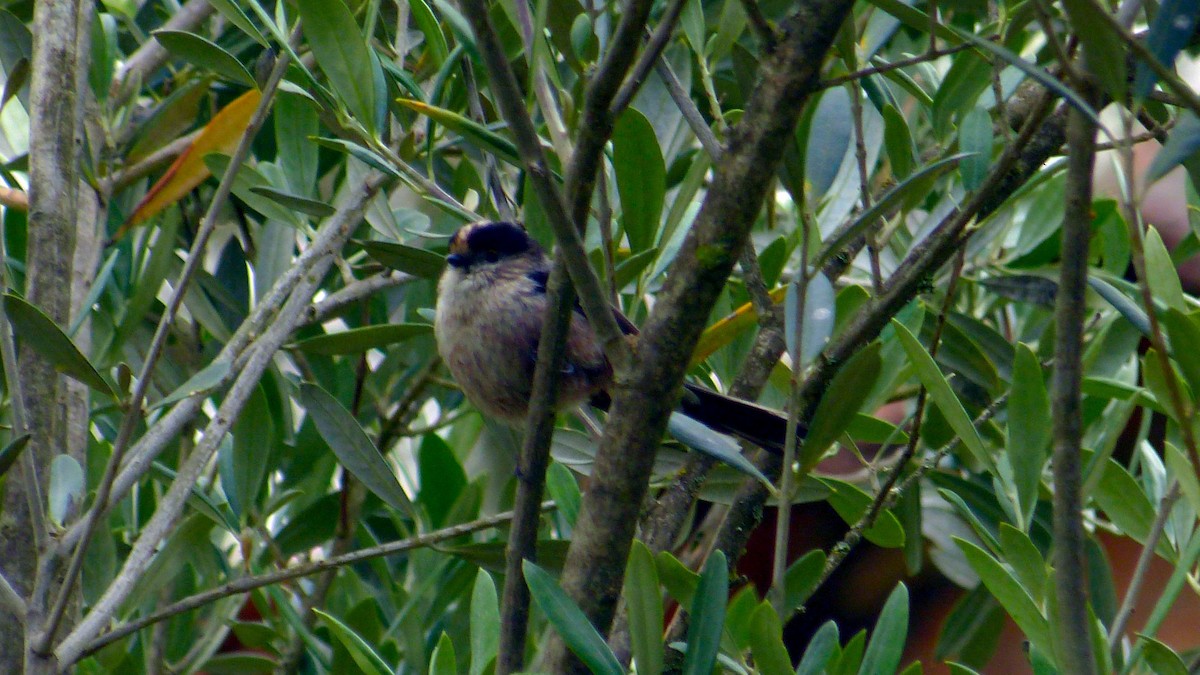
766, 34
1070, 577
11, 600
896, 65
1138, 578
352, 293
250, 583
651, 54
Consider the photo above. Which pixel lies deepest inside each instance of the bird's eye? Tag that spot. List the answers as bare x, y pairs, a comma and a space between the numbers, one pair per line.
491, 256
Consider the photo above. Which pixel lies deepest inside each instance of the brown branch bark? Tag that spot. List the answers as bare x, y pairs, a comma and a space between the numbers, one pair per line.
1070, 568
645, 395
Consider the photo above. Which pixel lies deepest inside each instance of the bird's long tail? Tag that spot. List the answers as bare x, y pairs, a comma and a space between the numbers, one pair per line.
747, 421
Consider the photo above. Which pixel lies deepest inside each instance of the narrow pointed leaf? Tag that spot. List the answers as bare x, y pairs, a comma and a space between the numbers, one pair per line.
408, 259
220, 135
643, 601
339, 47
887, 640
942, 395
485, 623
707, 617
352, 447
37, 331
365, 657
200, 51
570, 622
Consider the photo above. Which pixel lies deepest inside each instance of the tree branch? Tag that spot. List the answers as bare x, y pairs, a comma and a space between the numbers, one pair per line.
258, 356
644, 395
1070, 569
250, 583
133, 417
11, 600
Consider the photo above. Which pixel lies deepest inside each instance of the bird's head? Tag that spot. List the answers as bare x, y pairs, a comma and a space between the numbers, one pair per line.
488, 244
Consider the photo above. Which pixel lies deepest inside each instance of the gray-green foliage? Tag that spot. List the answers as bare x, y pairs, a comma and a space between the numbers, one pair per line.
354, 436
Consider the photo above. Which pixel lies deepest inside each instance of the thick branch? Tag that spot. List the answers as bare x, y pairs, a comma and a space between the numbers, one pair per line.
643, 398
1070, 568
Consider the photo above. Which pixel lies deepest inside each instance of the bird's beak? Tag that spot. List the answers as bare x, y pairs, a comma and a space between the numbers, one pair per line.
457, 260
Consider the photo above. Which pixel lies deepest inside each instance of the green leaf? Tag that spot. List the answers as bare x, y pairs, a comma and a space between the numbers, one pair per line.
942, 396
1124, 501
358, 340
975, 137
959, 90
641, 178
304, 205
1101, 57
435, 39
443, 661
561, 485
1010, 593
867, 429
1125, 307
643, 603
339, 47
38, 332
235, 16
801, 578
364, 155
820, 648
840, 403
1178, 465
1161, 659
1036, 72
852, 503
10, 452
1029, 427
485, 623
365, 657
918, 183
490, 555
352, 447
766, 642
1184, 334
887, 641
442, 478
243, 463
205, 54
1160, 272
679, 581
66, 488
1025, 560
481, 136
203, 382
570, 622
1182, 144
897, 140
707, 616
408, 259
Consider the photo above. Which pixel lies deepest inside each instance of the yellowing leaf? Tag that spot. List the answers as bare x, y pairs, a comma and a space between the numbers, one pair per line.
724, 331
221, 134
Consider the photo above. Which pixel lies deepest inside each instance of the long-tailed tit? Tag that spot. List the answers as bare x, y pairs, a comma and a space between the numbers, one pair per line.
490, 308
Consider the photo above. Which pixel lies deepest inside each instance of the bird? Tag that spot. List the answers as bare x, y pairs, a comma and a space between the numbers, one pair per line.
491, 302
